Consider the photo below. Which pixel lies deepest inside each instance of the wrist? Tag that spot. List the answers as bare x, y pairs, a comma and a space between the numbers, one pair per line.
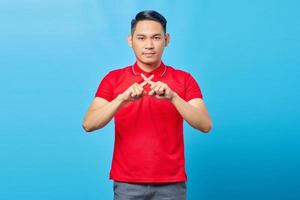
174, 97
121, 99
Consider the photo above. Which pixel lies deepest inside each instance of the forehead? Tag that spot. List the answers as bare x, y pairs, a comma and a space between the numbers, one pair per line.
148, 27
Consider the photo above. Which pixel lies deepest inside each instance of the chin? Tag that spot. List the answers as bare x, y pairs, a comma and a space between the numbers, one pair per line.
150, 61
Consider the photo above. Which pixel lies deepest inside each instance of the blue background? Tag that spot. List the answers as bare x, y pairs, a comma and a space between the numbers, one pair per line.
244, 55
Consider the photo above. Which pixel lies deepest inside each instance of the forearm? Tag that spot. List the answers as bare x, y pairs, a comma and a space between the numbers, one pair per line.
196, 117
97, 118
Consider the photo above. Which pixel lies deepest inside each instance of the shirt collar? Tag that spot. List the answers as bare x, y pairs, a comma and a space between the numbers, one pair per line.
158, 72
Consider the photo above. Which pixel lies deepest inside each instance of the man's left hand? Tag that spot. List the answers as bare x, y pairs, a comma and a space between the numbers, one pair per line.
159, 89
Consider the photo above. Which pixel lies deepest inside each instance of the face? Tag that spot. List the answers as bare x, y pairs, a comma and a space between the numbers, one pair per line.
148, 42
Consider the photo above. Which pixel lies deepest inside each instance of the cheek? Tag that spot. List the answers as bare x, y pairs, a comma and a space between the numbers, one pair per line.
137, 48
160, 47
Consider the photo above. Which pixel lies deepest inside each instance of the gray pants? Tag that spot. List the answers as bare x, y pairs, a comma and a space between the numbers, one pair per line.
149, 191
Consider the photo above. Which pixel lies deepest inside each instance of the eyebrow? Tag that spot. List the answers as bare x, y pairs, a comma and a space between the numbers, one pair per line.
156, 34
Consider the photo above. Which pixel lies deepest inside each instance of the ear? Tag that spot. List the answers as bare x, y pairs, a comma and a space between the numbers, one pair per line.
129, 40
167, 39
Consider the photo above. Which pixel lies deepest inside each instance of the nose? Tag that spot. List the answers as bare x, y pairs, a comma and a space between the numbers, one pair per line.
149, 44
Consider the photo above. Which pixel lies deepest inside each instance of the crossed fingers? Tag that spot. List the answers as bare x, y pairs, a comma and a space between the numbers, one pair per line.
137, 90
146, 80
158, 88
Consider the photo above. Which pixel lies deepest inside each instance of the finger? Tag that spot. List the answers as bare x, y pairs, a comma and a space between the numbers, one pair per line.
141, 89
145, 78
160, 84
148, 80
160, 90
150, 77
143, 84
152, 92
136, 92
133, 93
155, 87
160, 97
163, 90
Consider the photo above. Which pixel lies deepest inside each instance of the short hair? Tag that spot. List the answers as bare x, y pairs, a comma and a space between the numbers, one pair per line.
148, 15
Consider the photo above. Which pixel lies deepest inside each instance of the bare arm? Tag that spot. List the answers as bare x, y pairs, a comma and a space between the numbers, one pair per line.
102, 111
194, 112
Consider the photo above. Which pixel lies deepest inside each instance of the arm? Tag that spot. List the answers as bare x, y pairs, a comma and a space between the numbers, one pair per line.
194, 112
102, 111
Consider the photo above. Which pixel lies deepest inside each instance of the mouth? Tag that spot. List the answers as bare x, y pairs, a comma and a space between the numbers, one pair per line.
148, 53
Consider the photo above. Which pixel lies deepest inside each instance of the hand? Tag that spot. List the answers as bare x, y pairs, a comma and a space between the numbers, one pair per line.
135, 91
159, 89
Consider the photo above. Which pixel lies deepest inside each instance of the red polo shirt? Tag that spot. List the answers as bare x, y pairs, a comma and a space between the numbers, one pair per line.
149, 145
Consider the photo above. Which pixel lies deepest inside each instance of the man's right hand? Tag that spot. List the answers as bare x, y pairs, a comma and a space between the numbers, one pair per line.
102, 111
134, 92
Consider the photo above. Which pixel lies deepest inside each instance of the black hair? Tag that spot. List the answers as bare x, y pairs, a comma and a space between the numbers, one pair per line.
149, 15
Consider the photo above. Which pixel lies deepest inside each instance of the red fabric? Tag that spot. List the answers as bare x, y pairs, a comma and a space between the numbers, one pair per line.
149, 144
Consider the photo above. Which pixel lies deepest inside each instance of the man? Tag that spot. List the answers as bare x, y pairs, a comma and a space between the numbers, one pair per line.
148, 101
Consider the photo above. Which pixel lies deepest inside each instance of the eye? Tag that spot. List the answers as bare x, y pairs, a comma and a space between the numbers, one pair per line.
157, 38
140, 38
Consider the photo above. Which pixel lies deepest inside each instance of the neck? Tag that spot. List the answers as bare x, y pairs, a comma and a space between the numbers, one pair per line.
148, 67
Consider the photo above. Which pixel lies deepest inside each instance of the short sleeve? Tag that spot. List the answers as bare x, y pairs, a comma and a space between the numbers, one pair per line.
192, 89
105, 88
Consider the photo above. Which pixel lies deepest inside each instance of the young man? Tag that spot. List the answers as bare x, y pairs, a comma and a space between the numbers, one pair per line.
148, 101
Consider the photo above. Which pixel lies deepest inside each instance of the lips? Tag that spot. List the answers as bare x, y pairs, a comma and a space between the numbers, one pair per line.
148, 53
